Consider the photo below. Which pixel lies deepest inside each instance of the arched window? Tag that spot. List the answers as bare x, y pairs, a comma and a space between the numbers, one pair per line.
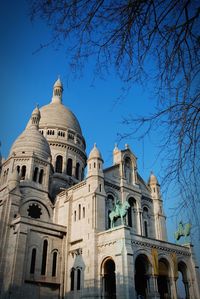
44, 257
128, 170
78, 279
18, 168
145, 229
72, 279
69, 167
82, 174
109, 221
130, 217
79, 211
41, 176
131, 213
83, 212
23, 172
33, 259
146, 221
59, 163
74, 215
54, 264
77, 170
35, 174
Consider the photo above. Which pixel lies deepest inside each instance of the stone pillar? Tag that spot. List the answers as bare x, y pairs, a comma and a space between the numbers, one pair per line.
138, 229
74, 167
172, 291
64, 170
152, 287
140, 222
186, 284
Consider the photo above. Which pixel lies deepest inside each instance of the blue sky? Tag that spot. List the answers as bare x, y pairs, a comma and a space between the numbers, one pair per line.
27, 77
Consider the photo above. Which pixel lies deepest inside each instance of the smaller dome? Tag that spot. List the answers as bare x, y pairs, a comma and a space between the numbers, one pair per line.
31, 141
95, 153
153, 179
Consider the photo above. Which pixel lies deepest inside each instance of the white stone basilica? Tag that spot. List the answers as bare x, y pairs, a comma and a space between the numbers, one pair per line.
56, 237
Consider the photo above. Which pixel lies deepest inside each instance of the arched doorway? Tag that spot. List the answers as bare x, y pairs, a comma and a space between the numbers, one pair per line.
182, 282
141, 276
108, 279
163, 279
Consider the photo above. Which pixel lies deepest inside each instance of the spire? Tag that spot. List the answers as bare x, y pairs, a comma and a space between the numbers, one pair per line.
116, 148
57, 92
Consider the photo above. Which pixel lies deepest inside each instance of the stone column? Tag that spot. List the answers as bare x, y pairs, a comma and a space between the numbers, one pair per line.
140, 222
64, 169
152, 287
186, 284
172, 291
74, 167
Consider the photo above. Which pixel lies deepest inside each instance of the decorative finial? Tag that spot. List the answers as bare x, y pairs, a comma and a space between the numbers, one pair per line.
116, 147
126, 146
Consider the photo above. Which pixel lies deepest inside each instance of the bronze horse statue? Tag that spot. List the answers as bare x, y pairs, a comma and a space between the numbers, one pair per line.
183, 231
120, 210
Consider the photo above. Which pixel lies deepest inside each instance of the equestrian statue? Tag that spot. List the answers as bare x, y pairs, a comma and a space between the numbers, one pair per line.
120, 210
183, 231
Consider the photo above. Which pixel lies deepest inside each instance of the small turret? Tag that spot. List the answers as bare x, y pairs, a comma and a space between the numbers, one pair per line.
154, 185
160, 219
95, 163
57, 91
35, 117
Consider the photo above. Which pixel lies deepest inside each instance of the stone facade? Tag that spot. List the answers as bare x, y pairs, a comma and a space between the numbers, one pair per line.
61, 233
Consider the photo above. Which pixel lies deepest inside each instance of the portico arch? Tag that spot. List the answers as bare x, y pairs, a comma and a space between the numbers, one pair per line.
163, 278
142, 271
183, 281
108, 279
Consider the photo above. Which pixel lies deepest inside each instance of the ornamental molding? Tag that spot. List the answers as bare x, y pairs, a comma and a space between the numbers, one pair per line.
108, 244
21, 159
146, 199
76, 252
161, 248
112, 185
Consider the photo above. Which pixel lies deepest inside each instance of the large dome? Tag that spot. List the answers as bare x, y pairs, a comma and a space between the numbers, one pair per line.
57, 115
